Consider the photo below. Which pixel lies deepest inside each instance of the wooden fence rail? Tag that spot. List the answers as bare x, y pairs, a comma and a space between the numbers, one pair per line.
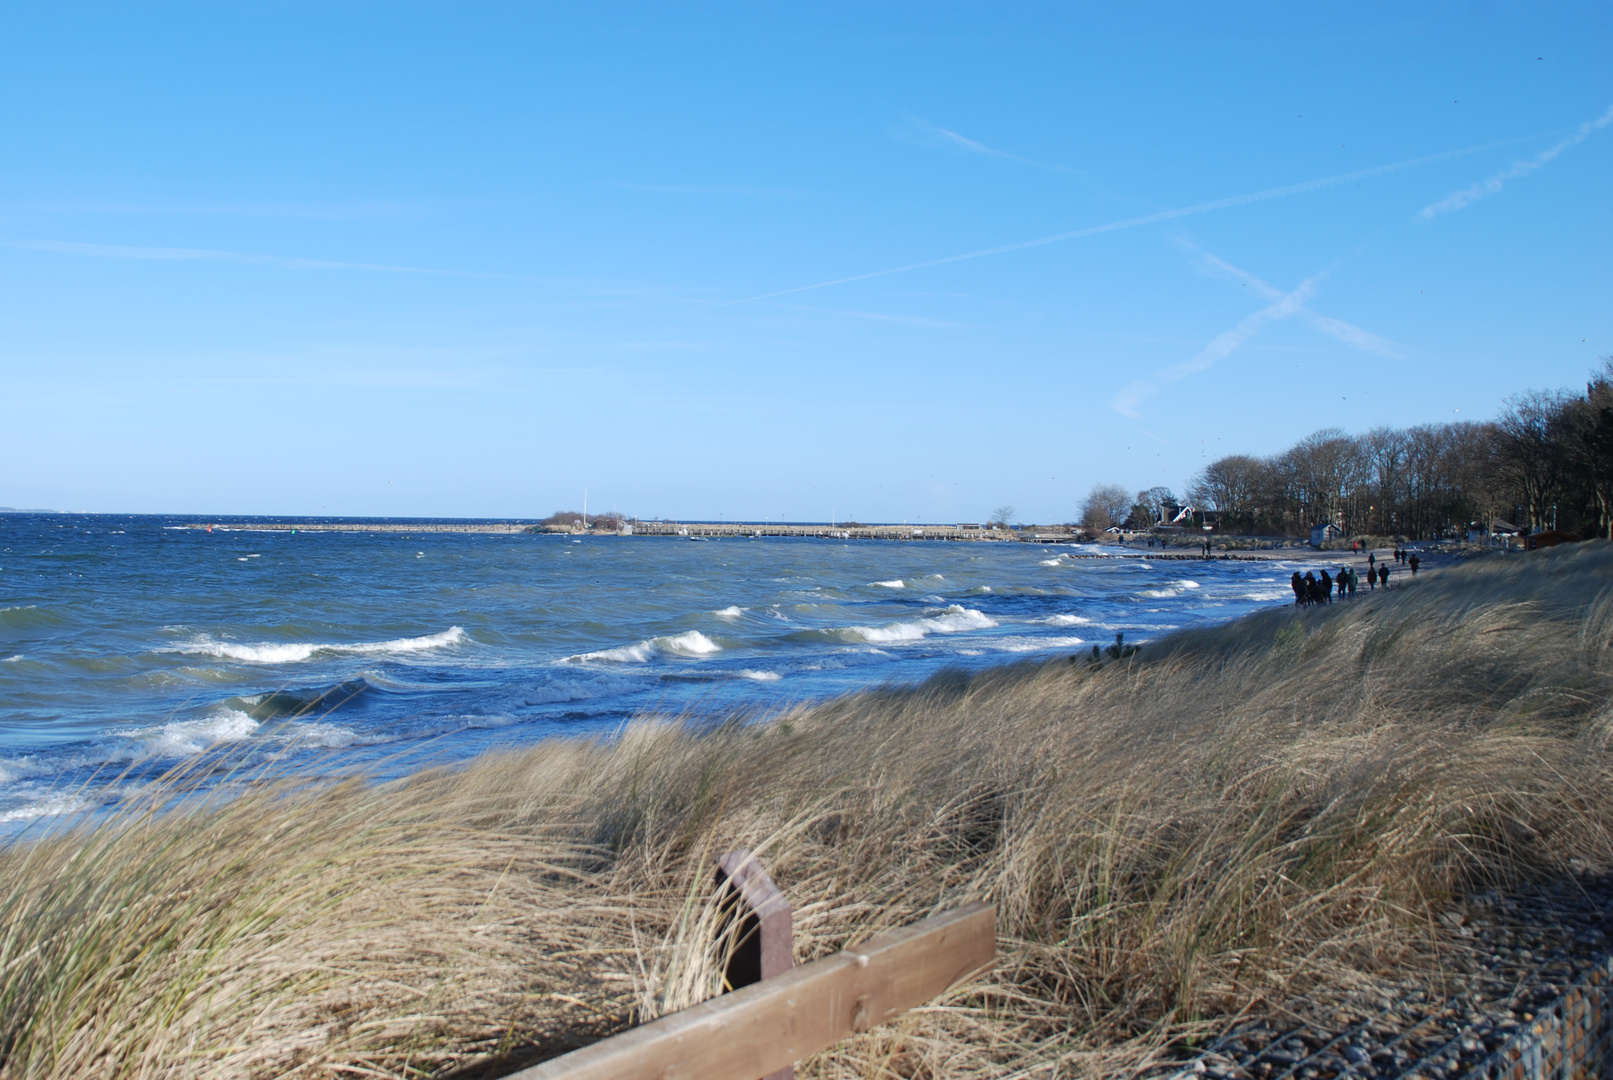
769, 1025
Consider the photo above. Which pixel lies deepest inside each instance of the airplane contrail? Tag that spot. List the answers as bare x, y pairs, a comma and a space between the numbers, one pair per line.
1132, 223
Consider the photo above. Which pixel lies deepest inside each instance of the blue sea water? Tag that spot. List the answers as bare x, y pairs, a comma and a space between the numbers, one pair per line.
130, 643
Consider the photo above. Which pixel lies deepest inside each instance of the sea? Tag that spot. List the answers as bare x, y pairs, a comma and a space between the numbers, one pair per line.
129, 645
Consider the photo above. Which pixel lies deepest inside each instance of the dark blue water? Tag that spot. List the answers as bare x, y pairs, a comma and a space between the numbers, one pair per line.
127, 643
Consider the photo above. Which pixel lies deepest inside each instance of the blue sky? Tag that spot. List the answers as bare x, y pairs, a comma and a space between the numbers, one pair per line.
704, 260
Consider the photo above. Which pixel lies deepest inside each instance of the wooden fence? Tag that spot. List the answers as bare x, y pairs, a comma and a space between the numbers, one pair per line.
762, 1029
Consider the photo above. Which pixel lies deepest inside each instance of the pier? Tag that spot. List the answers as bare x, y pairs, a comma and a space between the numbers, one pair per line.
690, 530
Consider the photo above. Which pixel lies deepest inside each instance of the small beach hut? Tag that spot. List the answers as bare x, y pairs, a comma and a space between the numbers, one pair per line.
1545, 539
1320, 534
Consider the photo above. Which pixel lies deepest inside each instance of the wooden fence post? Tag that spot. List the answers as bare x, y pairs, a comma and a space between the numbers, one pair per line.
764, 940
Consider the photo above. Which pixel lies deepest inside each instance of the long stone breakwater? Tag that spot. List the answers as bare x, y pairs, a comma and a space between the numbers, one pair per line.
680, 529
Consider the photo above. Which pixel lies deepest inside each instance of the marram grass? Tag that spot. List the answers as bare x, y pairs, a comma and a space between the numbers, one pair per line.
1244, 818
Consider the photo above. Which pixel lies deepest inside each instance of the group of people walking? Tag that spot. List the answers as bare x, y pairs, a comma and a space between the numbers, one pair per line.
1311, 589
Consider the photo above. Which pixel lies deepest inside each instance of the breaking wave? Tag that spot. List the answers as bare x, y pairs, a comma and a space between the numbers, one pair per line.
688, 643
295, 652
952, 620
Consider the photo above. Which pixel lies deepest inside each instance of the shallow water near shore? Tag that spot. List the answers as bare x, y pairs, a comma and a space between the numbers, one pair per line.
129, 643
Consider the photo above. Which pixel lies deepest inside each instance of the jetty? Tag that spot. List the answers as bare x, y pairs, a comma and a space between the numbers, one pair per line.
692, 530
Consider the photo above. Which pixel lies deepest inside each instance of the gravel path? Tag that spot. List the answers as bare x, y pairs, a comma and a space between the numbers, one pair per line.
1507, 957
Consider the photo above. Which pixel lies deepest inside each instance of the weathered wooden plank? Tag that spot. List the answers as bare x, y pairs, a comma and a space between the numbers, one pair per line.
767, 1025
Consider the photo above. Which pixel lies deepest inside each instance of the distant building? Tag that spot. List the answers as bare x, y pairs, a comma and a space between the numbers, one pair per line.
1320, 534
1546, 539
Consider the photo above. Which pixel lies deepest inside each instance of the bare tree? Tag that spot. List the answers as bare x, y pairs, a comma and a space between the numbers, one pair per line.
1588, 435
1531, 451
1157, 501
1001, 516
1231, 486
1105, 505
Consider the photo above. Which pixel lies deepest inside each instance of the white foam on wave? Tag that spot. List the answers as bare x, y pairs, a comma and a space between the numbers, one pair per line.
14, 769
295, 652
1051, 562
181, 738
760, 676
1066, 620
952, 620
733, 611
50, 806
1174, 588
688, 643
11, 659
1035, 644
894, 583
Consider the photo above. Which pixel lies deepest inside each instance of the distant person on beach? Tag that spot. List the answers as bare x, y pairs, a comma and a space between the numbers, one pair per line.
1372, 560
1299, 588
1341, 583
1310, 587
1383, 576
1352, 584
1413, 561
1327, 588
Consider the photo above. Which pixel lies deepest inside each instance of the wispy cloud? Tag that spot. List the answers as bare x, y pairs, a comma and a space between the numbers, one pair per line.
1348, 333
1129, 223
1126, 401
880, 316
922, 131
317, 211
1456, 200
178, 254
1284, 305
710, 189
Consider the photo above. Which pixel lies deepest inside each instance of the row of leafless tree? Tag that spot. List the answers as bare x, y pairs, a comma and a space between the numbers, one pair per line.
1546, 462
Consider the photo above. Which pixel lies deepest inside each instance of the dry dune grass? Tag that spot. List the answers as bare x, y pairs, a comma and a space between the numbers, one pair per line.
1235, 819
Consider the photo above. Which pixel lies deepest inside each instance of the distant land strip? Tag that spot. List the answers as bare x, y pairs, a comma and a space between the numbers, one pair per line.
706, 530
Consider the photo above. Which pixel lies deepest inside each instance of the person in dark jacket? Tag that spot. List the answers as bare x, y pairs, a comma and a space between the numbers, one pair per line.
1299, 588
1327, 588
1383, 575
1341, 583
1310, 587
1413, 561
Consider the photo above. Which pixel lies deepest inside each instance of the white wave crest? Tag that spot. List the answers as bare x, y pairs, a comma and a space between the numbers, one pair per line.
688, 643
295, 652
894, 583
1035, 644
11, 659
760, 676
1066, 620
730, 612
953, 620
50, 806
181, 738
1051, 562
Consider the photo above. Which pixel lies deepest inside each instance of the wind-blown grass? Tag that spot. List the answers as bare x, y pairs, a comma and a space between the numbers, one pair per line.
1237, 818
